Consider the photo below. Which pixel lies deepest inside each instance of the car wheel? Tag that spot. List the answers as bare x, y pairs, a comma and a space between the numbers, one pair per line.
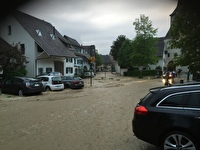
178, 140
68, 85
47, 89
20, 92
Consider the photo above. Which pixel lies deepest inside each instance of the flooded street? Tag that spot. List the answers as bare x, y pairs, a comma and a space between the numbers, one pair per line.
97, 117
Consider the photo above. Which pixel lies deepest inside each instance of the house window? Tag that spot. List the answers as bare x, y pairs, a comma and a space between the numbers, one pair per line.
53, 36
168, 55
9, 30
69, 70
80, 62
74, 61
49, 69
69, 60
40, 70
22, 48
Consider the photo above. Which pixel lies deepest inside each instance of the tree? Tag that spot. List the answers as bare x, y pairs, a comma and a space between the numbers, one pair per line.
124, 54
185, 34
116, 46
99, 60
12, 62
144, 45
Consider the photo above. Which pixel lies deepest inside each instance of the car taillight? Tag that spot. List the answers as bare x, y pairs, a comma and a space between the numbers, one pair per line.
75, 82
141, 110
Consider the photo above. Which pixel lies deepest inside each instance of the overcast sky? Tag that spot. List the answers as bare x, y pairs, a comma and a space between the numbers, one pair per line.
100, 22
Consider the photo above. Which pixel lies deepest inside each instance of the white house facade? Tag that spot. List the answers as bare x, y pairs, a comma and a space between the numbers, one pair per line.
14, 34
43, 46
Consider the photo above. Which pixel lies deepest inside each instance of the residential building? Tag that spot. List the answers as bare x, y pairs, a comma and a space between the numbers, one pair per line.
43, 46
82, 62
169, 53
160, 47
107, 64
91, 50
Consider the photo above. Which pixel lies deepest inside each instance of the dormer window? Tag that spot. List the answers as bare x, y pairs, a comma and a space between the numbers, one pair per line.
52, 36
39, 33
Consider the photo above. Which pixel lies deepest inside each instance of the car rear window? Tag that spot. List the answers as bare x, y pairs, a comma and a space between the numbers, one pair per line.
63, 78
77, 78
56, 78
142, 100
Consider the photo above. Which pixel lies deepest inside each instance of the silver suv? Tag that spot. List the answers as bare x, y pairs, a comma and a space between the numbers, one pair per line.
52, 83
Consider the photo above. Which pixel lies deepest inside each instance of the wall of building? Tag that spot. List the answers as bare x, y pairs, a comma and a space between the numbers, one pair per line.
19, 36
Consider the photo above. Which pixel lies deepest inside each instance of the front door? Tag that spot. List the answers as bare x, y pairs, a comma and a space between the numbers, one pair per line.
58, 66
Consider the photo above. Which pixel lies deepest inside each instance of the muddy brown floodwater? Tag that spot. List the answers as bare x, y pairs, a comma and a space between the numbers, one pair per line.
97, 117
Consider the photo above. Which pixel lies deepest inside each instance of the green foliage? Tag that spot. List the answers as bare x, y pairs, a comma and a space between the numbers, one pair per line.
144, 44
143, 27
12, 62
116, 46
139, 73
138, 52
158, 68
124, 54
185, 34
99, 60
171, 66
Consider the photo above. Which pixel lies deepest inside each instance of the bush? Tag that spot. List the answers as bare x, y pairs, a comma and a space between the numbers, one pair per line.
139, 73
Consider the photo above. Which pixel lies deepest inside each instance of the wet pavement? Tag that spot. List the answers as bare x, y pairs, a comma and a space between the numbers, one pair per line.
97, 117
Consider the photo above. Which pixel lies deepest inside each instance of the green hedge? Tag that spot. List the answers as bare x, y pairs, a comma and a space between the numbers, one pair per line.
138, 73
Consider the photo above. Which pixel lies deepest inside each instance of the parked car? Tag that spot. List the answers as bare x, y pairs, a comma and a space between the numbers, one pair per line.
72, 82
22, 86
51, 83
169, 117
54, 73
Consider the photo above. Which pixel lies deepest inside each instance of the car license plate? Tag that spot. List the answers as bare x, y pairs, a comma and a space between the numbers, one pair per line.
37, 85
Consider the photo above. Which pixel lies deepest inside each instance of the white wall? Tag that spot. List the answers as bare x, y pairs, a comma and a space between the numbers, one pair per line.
172, 52
19, 36
159, 63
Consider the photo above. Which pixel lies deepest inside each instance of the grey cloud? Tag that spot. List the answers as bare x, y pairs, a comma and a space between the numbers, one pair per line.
101, 21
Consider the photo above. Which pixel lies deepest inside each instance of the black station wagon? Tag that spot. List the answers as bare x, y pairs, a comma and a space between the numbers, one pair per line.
169, 117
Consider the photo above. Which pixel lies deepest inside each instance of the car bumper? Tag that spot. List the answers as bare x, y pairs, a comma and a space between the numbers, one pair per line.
78, 86
34, 90
57, 87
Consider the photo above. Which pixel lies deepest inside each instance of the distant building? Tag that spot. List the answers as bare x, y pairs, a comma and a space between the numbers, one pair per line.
169, 53
107, 64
